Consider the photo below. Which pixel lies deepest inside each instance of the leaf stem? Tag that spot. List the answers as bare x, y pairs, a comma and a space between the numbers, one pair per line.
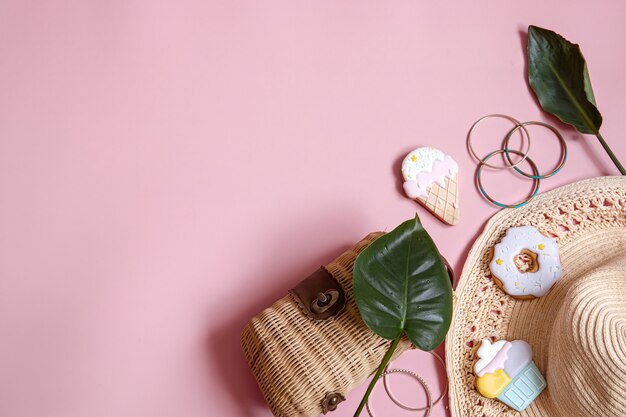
379, 371
611, 154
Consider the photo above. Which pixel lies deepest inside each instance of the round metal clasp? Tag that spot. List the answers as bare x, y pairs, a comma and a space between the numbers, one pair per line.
331, 401
324, 301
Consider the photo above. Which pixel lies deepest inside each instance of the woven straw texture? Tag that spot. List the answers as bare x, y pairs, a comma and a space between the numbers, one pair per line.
297, 361
577, 331
443, 202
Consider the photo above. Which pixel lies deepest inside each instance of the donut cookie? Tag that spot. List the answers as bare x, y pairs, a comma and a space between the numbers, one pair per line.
506, 371
430, 178
525, 263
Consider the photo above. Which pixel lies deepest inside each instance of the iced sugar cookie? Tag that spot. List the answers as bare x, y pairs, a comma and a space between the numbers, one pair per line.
525, 264
430, 178
506, 371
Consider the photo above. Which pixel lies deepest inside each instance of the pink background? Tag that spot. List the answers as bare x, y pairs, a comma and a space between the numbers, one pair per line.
168, 169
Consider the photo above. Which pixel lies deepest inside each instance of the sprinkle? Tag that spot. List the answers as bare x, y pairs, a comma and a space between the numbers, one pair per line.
541, 246
524, 289
413, 158
499, 261
516, 284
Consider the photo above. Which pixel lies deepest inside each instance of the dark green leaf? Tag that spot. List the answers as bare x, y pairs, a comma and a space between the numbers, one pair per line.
588, 90
401, 286
558, 75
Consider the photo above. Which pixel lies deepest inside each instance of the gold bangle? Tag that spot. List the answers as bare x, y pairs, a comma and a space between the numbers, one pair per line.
483, 161
561, 141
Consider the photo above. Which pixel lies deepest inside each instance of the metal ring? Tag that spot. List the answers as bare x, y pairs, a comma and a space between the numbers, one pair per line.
406, 407
517, 205
416, 377
558, 135
484, 160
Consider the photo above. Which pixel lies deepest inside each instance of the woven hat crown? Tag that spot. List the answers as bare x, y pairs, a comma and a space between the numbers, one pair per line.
587, 348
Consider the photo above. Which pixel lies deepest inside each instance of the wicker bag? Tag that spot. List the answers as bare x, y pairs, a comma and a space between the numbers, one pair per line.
311, 347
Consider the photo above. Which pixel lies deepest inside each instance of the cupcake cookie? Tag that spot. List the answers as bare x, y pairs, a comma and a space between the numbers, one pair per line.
525, 263
506, 371
430, 178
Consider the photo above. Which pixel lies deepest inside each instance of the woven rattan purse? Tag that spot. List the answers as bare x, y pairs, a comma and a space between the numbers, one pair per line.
311, 347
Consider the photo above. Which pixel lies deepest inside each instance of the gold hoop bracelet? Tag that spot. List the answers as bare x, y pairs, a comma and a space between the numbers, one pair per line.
416, 377
559, 137
406, 407
483, 161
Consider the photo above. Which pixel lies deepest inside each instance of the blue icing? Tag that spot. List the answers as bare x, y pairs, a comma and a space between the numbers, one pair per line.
524, 388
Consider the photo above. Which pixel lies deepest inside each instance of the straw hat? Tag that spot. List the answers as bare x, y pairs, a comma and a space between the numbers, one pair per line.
577, 331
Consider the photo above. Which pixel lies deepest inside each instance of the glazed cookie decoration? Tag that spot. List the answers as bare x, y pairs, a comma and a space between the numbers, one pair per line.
506, 371
525, 264
430, 178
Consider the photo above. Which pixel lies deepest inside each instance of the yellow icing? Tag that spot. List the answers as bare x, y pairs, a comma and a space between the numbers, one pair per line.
499, 261
541, 246
491, 385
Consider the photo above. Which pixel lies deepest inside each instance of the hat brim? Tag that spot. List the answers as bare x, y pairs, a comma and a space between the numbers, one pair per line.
588, 221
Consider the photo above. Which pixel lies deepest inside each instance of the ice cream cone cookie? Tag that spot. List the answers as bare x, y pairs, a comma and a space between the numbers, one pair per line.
525, 263
505, 370
430, 178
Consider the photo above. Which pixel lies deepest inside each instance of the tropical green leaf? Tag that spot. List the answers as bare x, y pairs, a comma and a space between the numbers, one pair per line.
401, 285
558, 75
588, 90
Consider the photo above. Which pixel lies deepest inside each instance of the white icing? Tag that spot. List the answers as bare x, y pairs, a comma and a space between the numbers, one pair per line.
424, 166
486, 352
424, 159
534, 283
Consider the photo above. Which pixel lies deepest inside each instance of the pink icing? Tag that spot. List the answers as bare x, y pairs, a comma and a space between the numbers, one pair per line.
411, 189
423, 180
497, 362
